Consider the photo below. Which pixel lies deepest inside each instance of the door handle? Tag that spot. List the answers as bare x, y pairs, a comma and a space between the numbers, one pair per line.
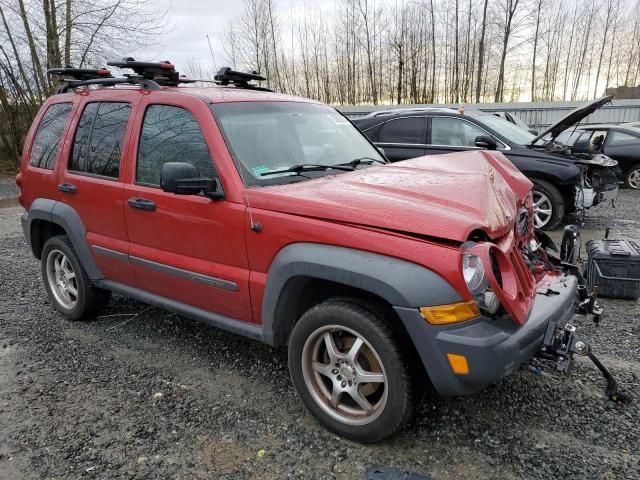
67, 188
142, 204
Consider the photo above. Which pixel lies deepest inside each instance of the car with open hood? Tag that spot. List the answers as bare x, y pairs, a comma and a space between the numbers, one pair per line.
273, 217
564, 182
619, 142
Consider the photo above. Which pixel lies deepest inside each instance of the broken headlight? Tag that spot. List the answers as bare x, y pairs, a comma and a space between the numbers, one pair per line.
473, 272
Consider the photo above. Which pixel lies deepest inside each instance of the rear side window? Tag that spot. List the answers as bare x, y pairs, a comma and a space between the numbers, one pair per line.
45, 143
404, 130
97, 145
170, 134
621, 139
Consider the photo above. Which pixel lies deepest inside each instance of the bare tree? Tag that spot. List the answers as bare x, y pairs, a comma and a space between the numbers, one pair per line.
481, 52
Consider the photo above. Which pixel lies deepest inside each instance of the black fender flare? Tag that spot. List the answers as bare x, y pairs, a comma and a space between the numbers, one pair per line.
398, 282
68, 219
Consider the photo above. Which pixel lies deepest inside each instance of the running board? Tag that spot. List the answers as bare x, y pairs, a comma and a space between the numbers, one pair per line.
220, 321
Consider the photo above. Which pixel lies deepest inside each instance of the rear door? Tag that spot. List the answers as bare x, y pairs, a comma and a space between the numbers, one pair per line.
453, 134
402, 138
624, 147
187, 248
91, 180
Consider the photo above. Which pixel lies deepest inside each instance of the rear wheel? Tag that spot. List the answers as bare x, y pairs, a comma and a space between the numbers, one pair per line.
632, 178
69, 288
349, 372
548, 205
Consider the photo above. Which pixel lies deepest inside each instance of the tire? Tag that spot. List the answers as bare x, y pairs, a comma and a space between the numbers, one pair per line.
632, 177
68, 286
549, 198
391, 394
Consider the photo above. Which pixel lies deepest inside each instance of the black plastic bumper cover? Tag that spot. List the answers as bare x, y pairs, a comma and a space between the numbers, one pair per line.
494, 348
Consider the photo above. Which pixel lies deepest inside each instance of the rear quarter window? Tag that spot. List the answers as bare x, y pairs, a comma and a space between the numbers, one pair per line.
47, 138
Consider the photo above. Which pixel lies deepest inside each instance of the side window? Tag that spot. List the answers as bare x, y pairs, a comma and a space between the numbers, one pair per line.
97, 145
170, 134
454, 132
621, 139
597, 140
409, 130
45, 142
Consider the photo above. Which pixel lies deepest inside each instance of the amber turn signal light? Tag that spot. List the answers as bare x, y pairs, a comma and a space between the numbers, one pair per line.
451, 313
458, 364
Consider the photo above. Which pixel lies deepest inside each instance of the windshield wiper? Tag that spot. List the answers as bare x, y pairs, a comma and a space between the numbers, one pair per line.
309, 167
360, 161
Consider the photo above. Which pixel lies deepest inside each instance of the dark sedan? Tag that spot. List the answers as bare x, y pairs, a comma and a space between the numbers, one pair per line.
620, 142
563, 182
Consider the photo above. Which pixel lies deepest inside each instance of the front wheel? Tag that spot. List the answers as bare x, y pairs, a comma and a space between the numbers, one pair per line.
632, 178
548, 205
349, 372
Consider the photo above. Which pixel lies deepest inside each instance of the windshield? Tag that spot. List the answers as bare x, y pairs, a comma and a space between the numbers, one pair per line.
268, 137
569, 137
508, 130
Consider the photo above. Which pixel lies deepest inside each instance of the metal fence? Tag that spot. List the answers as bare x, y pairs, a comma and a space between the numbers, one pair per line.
536, 114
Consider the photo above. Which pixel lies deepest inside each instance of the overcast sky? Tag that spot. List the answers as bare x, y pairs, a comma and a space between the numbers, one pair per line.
190, 21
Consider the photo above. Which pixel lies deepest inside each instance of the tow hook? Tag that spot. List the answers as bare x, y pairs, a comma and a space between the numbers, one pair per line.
561, 343
588, 304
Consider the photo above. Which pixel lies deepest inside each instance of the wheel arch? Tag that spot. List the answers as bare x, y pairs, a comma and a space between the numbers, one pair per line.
48, 218
305, 274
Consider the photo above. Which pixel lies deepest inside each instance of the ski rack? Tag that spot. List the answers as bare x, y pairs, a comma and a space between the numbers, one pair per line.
149, 75
226, 76
80, 74
163, 73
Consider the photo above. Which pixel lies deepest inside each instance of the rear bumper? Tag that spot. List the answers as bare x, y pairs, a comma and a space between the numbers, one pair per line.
494, 349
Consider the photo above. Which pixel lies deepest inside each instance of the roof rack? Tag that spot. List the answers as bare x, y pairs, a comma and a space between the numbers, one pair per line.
226, 76
148, 75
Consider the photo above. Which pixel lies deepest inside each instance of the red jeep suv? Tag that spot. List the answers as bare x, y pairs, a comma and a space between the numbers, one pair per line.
273, 217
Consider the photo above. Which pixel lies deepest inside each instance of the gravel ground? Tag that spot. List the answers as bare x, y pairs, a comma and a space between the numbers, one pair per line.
141, 393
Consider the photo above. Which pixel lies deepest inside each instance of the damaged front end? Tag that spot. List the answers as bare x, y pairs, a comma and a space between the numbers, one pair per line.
539, 288
598, 182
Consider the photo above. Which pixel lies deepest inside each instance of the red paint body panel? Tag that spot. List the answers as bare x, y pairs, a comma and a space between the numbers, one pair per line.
191, 232
437, 196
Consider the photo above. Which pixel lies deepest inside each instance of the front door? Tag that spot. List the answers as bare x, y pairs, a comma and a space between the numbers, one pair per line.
186, 248
453, 134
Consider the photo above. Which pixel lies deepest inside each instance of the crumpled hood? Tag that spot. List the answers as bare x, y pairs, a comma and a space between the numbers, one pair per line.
443, 196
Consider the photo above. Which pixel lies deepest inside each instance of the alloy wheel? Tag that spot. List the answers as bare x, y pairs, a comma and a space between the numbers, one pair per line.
344, 375
62, 279
542, 209
634, 179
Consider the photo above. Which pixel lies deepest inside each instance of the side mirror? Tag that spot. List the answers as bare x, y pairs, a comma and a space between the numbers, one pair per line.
382, 152
183, 178
485, 141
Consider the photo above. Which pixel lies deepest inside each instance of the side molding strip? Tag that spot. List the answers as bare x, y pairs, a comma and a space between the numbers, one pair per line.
229, 324
161, 267
107, 252
179, 272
